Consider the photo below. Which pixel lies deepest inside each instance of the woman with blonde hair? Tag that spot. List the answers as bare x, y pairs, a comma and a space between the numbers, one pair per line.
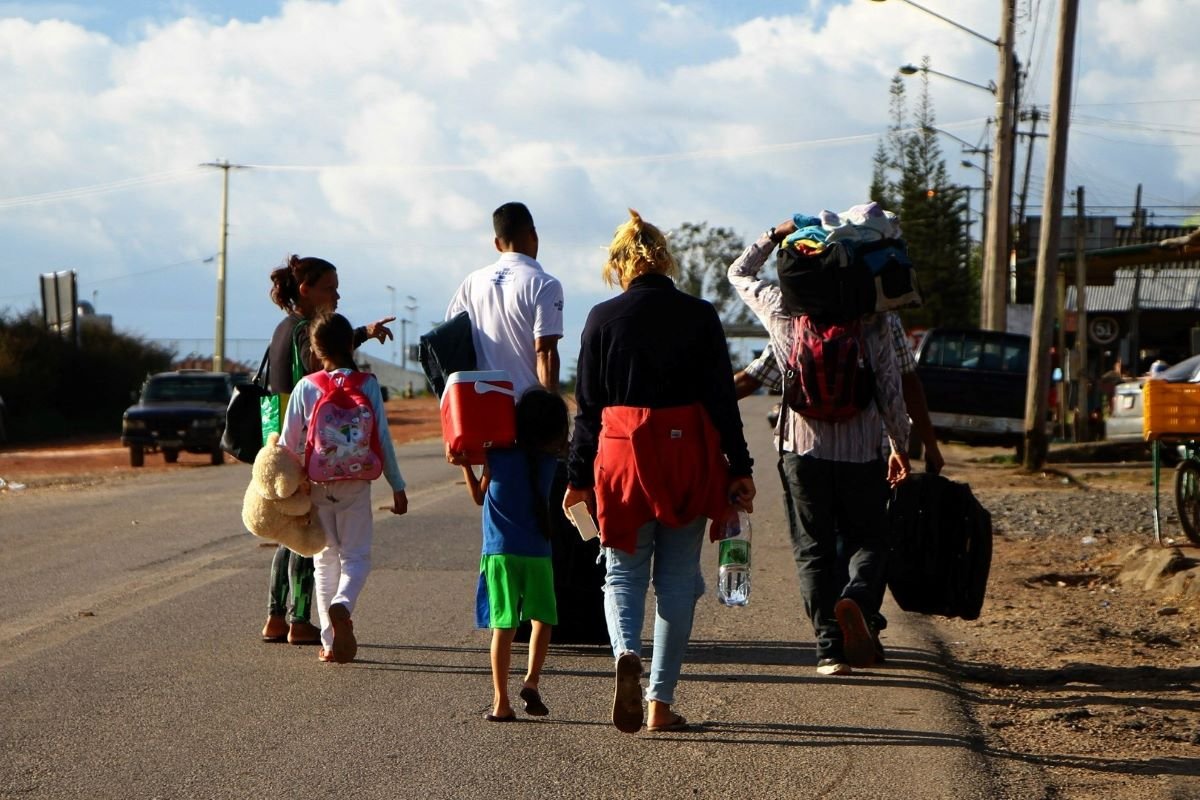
657, 449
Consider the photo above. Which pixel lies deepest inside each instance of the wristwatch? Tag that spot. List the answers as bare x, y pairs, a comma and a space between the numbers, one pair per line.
770, 234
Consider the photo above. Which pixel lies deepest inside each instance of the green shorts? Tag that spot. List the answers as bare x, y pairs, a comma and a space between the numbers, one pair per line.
513, 589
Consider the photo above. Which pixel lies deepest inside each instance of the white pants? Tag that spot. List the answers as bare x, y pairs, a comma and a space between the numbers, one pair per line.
342, 567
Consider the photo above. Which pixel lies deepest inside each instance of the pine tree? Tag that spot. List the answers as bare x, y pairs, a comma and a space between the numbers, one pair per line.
909, 177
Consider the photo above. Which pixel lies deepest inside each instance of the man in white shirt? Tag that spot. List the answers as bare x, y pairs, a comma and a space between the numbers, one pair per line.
516, 308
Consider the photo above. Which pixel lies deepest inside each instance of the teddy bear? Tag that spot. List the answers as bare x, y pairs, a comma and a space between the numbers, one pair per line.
276, 506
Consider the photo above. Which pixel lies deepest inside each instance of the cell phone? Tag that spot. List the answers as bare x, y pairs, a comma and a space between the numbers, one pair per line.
583, 521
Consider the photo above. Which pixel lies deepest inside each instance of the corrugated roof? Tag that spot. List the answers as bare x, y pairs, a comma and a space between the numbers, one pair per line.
1163, 289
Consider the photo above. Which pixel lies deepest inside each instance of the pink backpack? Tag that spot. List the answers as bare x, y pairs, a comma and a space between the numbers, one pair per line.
343, 434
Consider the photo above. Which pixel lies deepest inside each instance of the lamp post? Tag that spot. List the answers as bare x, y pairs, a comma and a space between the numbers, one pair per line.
987, 181
411, 308
994, 288
913, 69
392, 292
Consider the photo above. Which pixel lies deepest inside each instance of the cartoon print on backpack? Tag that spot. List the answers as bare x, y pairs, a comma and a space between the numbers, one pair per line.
343, 438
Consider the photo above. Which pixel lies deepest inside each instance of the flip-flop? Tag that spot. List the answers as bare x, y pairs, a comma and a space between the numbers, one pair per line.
534, 706
493, 718
679, 723
345, 646
627, 699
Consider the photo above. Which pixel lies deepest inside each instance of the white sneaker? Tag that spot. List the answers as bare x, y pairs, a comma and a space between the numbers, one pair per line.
832, 666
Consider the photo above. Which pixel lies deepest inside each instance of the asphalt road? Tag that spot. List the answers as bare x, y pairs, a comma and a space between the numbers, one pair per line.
130, 667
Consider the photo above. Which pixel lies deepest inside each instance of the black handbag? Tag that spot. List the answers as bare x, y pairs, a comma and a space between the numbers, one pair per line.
243, 436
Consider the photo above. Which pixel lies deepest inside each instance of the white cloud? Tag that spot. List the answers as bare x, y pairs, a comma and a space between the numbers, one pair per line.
417, 119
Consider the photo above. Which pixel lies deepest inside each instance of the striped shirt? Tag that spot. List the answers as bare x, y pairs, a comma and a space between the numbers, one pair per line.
856, 439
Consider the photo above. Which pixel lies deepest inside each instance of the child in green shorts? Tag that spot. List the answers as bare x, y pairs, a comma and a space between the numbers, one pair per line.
516, 578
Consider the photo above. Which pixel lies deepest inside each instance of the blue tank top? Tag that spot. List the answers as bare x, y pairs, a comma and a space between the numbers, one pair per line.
509, 524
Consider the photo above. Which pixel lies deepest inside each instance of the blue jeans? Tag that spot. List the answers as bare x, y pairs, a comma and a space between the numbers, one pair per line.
677, 586
828, 500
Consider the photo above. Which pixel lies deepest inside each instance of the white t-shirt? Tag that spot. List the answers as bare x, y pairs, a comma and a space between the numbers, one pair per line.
511, 303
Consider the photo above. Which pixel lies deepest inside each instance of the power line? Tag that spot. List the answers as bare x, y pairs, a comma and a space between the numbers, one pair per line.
98, 188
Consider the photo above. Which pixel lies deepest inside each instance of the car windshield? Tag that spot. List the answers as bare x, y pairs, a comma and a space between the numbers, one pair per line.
198, 389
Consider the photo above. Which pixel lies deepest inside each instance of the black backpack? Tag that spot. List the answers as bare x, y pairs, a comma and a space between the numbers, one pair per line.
847, 279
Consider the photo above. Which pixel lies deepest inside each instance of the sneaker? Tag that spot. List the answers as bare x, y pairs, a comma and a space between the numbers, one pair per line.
857, 642
832, 666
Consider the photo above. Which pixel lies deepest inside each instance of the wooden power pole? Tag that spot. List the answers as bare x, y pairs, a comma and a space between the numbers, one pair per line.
1036, 443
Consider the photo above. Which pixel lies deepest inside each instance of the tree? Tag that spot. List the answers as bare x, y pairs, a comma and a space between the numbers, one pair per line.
909, 177
704, 255
53, 388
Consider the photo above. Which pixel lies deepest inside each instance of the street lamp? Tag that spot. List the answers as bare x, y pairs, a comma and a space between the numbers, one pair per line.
994, 291
912, 69
948, 21
411, 308
392, 292
987, 181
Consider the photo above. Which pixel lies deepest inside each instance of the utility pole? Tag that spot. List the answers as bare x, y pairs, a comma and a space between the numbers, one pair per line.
1034, 116
994, 292
1082, 406
1036, 444
218, 363
1135, 312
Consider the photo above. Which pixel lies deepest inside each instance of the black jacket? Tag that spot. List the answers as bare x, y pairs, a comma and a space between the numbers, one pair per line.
654, 347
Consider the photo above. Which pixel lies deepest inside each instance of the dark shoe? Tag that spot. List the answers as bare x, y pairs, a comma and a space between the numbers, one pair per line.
534, 706
880, 655
678, 723
512, 717
858, 644
276, 629
344, 643
832, 666
627, 699
303, 633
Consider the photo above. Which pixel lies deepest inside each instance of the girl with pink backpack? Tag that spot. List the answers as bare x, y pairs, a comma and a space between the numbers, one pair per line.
336, 423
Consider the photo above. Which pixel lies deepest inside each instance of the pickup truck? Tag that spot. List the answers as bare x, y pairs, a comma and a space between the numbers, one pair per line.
178, 411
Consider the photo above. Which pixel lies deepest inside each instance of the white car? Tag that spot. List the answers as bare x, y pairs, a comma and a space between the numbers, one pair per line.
1124, 423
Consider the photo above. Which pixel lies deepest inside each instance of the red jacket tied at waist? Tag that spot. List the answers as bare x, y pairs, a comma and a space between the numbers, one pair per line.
660, 464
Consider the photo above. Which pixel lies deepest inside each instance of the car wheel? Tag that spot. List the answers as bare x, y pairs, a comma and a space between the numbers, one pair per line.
137, 457
217, 458
170, 456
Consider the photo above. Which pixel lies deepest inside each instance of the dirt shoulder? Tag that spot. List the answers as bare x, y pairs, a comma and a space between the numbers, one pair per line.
100, 458
1085, 664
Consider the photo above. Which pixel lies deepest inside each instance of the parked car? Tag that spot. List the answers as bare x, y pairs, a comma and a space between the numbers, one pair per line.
974, 383
1124, 422
178, 411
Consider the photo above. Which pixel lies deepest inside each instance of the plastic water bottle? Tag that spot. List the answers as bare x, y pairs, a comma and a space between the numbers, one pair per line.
733, 577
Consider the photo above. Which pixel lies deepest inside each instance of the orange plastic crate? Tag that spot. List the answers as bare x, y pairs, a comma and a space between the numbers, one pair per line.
1170, 410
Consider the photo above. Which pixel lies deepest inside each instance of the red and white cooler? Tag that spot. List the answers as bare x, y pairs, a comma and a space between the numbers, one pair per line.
478, 412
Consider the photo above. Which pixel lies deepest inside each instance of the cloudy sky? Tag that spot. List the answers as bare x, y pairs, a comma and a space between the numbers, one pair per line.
380, 134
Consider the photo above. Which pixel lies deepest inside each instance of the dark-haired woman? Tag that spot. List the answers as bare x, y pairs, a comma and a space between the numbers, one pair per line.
303, 288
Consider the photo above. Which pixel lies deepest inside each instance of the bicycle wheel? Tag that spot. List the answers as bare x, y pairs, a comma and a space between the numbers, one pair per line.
1187, 498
